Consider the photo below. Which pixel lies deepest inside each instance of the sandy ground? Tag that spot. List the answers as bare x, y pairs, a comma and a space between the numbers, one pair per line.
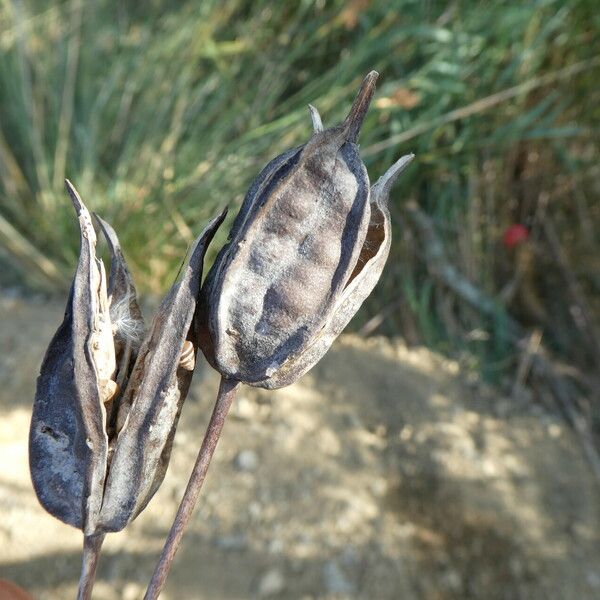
382, 474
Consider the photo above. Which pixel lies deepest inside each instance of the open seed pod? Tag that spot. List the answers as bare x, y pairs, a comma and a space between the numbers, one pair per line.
108, 400
307, 247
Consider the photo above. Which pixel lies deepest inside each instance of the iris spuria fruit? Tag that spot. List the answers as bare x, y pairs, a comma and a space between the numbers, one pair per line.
109, 395
307, 247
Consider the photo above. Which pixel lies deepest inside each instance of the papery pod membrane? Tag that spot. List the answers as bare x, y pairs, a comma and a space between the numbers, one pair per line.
365, 276
151, 404
292, 249
127, 325
126, 315
68, 444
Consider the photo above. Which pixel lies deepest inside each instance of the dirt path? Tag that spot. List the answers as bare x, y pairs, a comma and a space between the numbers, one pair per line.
380, 475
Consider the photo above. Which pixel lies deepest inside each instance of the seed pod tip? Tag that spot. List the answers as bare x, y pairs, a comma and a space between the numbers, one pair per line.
359, 109
315, 117
381, 190
74, 195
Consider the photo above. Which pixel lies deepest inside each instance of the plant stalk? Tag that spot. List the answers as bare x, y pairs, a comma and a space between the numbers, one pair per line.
227, 390
91, 554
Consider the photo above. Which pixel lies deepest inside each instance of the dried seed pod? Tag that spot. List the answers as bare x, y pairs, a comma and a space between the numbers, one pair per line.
303, 247
84, 471
68, 446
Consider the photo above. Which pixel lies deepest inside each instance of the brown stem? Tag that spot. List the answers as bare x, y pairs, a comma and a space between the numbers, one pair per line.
225, 397
91, 554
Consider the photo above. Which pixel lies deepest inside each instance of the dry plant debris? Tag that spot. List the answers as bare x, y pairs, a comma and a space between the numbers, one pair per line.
306, 249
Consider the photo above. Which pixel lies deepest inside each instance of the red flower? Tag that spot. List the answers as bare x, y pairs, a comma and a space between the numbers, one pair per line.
514, 235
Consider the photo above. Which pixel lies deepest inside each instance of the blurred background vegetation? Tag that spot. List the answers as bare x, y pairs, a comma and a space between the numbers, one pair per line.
162, 112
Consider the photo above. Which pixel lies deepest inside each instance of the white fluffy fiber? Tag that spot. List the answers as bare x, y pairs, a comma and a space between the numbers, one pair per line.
125, 327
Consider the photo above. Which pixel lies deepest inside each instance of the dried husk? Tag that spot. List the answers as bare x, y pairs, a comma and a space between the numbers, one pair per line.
68, 445
107, 404
292, 248
306, 249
